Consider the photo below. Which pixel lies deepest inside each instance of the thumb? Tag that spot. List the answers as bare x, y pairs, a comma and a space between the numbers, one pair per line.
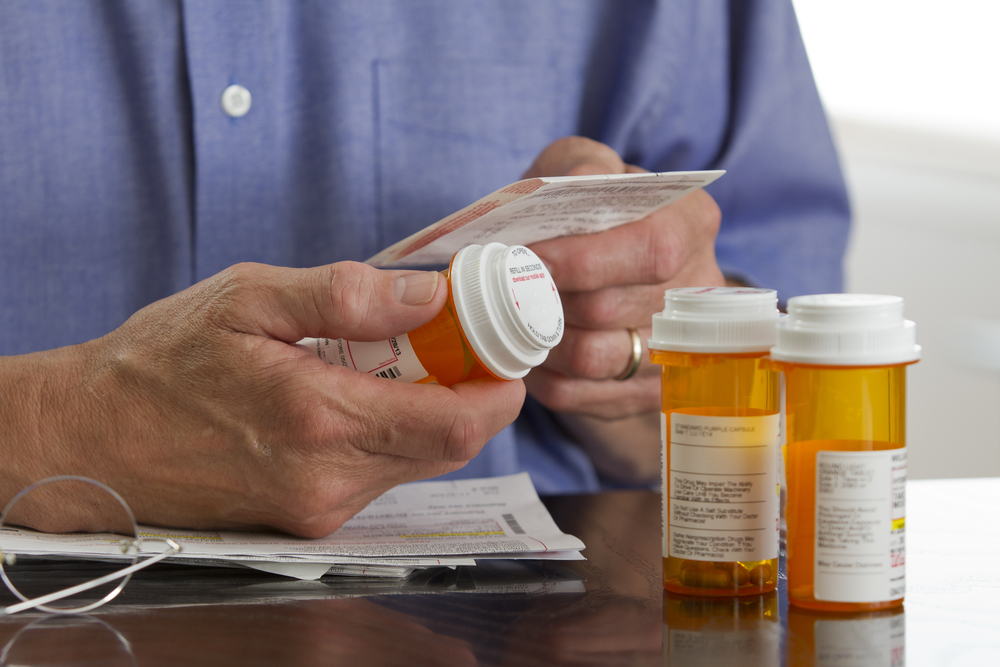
343, 300
576, 156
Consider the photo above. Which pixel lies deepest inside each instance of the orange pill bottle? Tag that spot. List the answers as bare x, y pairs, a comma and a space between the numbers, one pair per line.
502, 317
844, 359
720, 426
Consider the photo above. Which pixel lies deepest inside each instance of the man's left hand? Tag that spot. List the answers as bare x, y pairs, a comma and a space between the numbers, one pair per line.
612, 281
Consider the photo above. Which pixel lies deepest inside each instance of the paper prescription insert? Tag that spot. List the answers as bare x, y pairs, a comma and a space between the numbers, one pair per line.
413, 526
537, 209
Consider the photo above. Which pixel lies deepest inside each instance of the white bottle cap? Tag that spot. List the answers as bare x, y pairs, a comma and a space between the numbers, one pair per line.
846, 330
716, 319
508, 306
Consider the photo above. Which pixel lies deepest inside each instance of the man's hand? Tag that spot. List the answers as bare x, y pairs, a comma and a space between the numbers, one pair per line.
201, 412
609, 282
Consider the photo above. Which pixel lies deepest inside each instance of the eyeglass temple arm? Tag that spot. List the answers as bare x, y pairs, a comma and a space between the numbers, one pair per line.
173, 548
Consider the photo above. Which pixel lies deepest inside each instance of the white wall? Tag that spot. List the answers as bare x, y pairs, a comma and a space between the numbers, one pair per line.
912, 92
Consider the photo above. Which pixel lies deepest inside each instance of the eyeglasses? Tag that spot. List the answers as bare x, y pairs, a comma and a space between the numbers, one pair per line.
109, 531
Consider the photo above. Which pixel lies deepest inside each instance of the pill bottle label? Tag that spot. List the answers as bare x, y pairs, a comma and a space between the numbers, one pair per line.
664, 500
723, 503
865, 641
860, 553
393, 359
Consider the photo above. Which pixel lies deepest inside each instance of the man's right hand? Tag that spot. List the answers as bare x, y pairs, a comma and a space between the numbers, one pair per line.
202, 413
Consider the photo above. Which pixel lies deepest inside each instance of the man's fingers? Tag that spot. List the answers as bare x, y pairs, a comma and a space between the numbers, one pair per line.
343, 300
597, 355
419, 422
607, 399
576, 156
649, 251
615, 308
339, 438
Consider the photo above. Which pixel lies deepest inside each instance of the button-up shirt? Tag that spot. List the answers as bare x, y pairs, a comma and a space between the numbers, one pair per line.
147, 145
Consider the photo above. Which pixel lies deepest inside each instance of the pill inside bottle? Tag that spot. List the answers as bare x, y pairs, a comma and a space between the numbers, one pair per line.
502, 317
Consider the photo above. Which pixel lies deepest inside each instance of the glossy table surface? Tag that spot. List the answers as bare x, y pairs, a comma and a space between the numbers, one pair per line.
609, 610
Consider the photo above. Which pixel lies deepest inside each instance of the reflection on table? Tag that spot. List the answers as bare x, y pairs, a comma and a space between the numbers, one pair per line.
722, 631
610, 610
604, 611
951, 615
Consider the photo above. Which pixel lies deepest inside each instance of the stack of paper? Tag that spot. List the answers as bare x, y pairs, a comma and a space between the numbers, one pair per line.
413, 526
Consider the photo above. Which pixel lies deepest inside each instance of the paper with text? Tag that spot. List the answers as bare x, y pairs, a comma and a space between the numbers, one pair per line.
537, 209
422, 524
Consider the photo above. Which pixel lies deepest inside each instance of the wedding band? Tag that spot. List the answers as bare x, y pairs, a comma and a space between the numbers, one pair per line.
633, 366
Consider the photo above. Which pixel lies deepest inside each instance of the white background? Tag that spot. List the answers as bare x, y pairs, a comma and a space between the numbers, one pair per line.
913, 93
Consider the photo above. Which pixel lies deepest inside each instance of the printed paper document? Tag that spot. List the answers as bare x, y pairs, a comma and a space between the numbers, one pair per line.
537, 209
417, 525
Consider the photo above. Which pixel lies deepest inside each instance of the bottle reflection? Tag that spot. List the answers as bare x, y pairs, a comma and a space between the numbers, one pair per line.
875, 639
736, 632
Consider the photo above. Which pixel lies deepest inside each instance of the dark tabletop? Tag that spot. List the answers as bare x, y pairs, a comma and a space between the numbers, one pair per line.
608, 610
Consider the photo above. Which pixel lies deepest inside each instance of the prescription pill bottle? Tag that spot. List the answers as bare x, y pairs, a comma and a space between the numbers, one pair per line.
719, 428
844, 359
502, 317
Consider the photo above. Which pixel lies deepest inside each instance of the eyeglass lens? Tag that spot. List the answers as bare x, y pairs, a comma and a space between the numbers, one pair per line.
100, 525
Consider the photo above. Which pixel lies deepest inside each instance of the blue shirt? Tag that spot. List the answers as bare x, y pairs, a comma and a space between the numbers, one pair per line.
122, 180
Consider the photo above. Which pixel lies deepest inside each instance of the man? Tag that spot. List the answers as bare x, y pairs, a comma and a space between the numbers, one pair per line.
149, 149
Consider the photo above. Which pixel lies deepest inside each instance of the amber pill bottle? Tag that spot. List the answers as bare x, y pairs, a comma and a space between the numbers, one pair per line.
844, 359
719, 429
502, 317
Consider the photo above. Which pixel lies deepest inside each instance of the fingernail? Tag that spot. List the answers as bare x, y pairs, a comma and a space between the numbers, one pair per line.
416, 289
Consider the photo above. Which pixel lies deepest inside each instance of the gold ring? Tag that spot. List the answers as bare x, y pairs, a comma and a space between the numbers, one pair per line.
633, 365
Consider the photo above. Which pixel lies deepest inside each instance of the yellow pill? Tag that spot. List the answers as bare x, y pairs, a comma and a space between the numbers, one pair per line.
700, 574
738, 572
760, 574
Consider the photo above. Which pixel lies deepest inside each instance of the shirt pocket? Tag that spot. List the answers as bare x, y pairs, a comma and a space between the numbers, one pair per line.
451, 131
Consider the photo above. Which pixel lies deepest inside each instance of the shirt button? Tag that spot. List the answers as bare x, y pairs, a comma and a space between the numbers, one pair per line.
236, 101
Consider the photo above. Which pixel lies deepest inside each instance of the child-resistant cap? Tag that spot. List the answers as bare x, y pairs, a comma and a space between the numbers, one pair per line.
716, 319
508, 307
846, 330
